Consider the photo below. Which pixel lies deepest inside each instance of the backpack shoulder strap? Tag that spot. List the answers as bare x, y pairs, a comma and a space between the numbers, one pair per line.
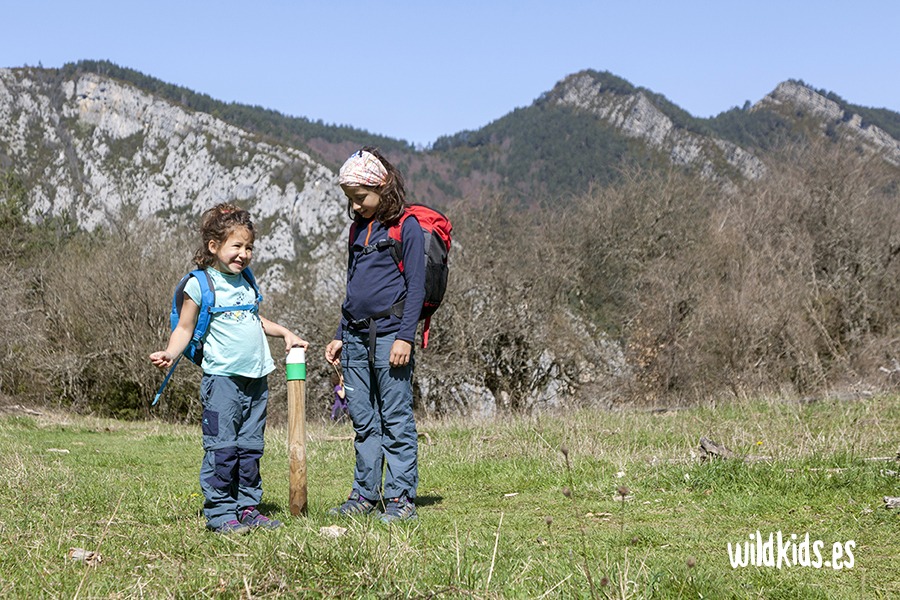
395, 235
207, 300
394, 231
207, 293
248, 275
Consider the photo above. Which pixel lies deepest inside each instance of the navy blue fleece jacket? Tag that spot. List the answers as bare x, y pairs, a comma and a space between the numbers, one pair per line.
375, 284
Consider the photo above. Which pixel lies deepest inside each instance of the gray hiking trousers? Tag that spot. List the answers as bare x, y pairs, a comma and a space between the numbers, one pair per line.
380, 402
234, 422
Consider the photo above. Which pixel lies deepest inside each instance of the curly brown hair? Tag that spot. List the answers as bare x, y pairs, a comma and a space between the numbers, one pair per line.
216, 225
392, 192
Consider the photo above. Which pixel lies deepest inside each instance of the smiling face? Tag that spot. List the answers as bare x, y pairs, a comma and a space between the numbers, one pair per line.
363, 200
234, 254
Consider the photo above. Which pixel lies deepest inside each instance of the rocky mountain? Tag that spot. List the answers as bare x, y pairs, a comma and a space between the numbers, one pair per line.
792, 99
93, 140
592, 124
91, 147
636, 115
583, 132
692, 143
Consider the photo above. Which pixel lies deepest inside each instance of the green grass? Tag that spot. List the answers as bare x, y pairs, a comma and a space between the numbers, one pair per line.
494, 521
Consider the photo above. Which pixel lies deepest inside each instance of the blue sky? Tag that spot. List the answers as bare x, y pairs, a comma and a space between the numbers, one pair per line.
419, 70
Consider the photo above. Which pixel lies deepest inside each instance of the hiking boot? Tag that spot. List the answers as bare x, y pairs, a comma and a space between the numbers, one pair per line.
399, 509
253, 518
232, 527
355, 505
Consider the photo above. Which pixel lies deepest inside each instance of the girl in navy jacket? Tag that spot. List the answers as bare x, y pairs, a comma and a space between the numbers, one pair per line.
375, 338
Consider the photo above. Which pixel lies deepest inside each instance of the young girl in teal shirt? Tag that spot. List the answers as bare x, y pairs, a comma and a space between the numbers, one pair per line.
236, 361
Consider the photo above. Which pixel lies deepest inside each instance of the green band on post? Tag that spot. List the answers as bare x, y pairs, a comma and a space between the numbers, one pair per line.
295, 371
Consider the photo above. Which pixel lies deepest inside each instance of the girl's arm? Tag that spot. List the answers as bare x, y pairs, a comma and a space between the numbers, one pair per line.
291, 340
414, 278
181, 335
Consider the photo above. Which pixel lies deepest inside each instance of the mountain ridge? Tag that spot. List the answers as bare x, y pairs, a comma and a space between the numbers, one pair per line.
584, 131
579, 133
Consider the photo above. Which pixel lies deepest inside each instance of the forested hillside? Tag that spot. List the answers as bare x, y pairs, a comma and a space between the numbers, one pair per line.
608, 247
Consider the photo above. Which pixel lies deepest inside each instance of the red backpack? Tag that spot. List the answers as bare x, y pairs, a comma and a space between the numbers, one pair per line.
438, 231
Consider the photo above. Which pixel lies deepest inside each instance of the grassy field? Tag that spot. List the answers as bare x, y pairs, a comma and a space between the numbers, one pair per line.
579, 505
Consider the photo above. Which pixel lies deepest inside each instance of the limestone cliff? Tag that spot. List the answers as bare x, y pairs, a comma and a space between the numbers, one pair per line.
636, 116
91, 147
797, 100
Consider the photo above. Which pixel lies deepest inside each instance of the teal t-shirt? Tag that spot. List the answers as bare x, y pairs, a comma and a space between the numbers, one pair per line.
235, 343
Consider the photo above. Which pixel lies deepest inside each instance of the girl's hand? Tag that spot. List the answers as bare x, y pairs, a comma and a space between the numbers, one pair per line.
162, 359
401, 350
333, 351
291, 340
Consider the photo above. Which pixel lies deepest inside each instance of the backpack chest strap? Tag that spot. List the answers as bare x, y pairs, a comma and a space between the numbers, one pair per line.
220, 309
377, 246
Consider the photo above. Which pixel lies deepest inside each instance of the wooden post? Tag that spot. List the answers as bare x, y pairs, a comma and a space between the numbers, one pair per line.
296, 385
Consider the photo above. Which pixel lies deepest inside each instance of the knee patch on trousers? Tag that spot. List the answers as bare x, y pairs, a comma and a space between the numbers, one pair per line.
224, 462
248, 466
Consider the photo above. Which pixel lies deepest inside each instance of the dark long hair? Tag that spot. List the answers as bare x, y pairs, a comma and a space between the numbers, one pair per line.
392, 192
216, 225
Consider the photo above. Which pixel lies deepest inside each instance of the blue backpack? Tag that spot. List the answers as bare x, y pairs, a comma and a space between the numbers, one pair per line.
194, 349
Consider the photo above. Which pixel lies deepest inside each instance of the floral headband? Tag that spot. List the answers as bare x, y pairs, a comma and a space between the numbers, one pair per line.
363, 168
